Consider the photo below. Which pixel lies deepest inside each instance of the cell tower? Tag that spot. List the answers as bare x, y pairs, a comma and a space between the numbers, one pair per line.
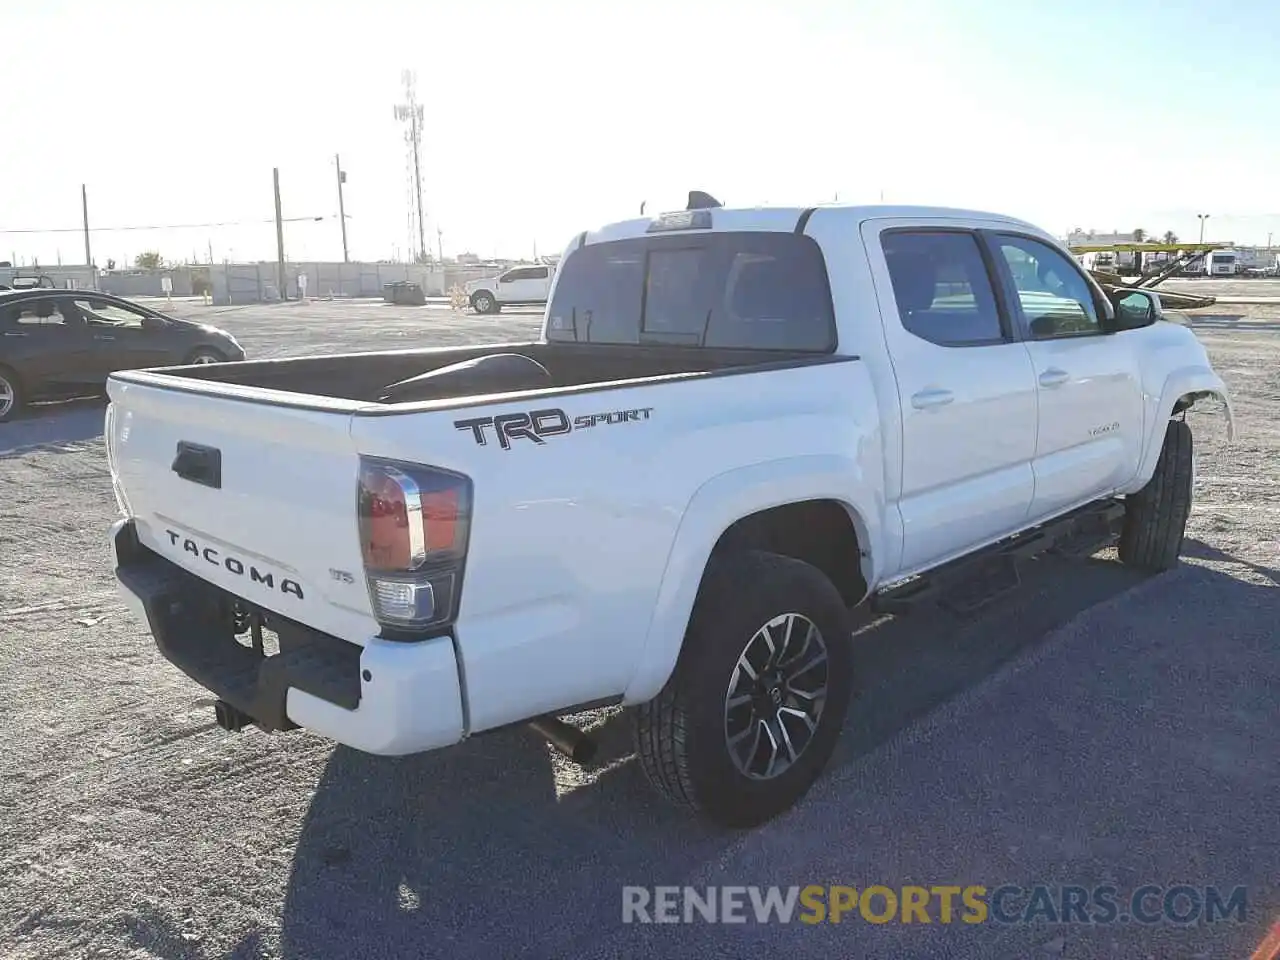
410, 113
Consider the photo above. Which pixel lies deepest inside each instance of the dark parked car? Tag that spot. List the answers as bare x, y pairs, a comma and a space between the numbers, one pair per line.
64, 343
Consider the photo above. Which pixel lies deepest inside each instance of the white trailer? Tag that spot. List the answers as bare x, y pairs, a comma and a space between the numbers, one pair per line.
1220, 263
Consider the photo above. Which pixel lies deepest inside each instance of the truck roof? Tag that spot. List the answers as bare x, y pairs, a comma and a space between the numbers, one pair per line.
786, 219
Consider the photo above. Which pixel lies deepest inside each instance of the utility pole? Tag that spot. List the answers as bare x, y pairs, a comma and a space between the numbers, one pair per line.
342, 211
417, 179
440, 244
412, 111
84, 207
275, 180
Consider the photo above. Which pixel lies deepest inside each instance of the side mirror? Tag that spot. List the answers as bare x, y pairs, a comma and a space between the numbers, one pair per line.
1043, 327
1136, 308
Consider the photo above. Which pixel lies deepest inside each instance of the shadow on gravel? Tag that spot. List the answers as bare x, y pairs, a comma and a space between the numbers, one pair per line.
469, 851
50, 424
1203, 551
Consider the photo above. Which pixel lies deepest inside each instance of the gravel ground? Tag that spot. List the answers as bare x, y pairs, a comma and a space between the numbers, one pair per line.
1094, 727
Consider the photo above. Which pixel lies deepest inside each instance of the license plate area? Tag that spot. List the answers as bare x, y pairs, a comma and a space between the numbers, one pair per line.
244, 654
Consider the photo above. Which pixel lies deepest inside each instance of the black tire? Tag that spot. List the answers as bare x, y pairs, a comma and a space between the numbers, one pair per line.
205, 355
682, 736
1155, 518
482, 301
12, 398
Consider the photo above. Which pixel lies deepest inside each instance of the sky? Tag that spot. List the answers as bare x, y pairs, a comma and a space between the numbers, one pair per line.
544, 119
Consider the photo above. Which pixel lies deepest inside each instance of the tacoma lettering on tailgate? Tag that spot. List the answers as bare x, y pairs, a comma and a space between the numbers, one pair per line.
234, 565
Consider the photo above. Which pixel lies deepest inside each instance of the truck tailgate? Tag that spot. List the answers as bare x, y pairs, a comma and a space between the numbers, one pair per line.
256, 498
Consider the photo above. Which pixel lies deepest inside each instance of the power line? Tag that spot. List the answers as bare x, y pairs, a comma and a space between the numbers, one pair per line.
162, 226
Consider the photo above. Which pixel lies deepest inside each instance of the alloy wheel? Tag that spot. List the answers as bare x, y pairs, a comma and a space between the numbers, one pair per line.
776, 696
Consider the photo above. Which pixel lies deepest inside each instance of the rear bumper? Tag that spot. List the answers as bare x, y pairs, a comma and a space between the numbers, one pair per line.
383, 698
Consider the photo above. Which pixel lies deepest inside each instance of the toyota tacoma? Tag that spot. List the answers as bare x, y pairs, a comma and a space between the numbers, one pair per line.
736, 426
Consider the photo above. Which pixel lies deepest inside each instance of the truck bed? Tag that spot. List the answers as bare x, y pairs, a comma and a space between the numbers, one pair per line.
367, 377
245, 475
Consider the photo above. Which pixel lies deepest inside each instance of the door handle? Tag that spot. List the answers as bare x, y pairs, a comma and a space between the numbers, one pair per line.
1053, 377
99, 336
931, 398
199, 464
12, 334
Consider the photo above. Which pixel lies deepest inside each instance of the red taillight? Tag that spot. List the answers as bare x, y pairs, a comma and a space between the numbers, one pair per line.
385, 528
408, 515
413, 524
440, 516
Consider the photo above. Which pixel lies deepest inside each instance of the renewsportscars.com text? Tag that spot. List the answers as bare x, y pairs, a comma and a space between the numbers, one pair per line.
943, 903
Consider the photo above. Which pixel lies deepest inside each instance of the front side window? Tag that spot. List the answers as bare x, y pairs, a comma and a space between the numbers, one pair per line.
746, 290
1056, 300
114, 314
942, 288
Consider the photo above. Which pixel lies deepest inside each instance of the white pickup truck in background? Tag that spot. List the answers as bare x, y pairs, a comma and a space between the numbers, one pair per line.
736, 425
524, 284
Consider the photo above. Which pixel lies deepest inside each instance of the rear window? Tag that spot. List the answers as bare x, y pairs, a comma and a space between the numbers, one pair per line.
754, 291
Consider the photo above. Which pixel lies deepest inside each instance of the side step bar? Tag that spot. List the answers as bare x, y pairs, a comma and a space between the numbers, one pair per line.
966, 584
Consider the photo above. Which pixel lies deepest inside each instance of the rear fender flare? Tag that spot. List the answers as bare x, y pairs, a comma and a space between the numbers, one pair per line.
713, 508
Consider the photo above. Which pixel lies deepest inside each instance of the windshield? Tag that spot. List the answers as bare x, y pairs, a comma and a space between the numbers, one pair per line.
764, 291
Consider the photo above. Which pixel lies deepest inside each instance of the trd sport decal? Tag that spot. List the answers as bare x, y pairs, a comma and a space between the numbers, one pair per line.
537, 425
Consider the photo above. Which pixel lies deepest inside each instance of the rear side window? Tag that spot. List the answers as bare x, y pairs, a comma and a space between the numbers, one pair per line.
32, 313
942, 287
754, 291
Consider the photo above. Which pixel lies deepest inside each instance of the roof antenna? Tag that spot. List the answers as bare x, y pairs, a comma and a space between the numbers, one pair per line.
702, 201
642, 203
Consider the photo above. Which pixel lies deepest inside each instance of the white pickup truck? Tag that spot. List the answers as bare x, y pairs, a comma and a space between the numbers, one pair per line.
736, 426
526, 284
